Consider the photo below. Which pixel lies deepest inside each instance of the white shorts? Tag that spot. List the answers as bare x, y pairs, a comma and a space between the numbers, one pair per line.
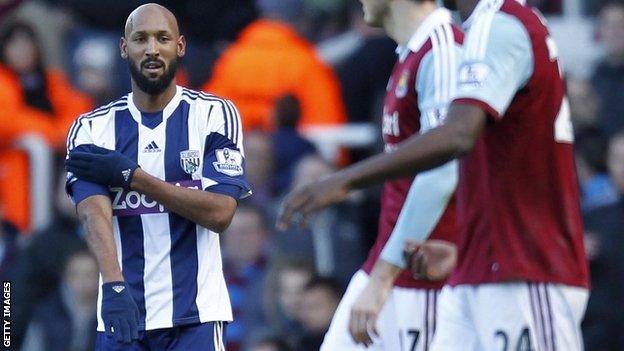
406, 322
510, 316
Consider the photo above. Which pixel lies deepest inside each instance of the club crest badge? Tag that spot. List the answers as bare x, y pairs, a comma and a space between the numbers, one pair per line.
229, 162
189, 161
401, 88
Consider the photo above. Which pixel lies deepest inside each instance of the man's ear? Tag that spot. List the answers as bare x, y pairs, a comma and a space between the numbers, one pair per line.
123, 48
181, 46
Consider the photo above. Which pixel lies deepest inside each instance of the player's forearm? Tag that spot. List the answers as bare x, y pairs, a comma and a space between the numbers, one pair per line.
426, 202
421, 152
95, 213
210, 210
384, 273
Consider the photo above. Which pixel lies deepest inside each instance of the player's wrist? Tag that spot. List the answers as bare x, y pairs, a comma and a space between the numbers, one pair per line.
136, 178
112, 277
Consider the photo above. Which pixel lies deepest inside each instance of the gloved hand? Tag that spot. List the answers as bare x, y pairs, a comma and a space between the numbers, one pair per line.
119, 312
102, 166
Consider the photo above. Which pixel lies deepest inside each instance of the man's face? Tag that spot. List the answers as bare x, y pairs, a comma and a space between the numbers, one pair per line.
317, 308
152, 46
375, 11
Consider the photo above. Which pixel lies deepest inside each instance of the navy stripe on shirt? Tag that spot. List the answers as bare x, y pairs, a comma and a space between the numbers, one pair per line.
131, 227
183, 255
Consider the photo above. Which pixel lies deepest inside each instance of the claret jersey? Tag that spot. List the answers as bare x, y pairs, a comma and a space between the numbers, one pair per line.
518, 204
171, 265
419, 91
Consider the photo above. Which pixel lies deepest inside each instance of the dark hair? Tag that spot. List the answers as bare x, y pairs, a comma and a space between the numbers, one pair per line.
15, 27
330, 284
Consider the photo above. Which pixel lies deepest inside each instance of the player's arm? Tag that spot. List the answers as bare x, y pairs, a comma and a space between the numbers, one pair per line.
93, 205
426, 201
493, 68
424, 206
95, 214
418, 153
222, 179
211, 210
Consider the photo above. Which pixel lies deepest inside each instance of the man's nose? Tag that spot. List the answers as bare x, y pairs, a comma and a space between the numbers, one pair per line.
152, 47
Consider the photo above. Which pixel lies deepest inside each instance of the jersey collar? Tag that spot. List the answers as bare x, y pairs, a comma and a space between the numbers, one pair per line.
436, 18
167, 111
482, 7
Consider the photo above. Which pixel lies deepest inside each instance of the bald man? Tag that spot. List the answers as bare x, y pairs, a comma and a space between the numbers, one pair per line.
155, 176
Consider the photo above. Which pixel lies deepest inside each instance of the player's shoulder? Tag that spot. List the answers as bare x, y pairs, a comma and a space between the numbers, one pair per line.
204, 98
103, 112
507, 17
107, 109
436, 32
220, 113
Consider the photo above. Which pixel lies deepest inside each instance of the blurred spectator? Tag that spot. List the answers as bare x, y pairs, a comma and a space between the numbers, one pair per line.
9, 249
333, 237
284, 291
363, 59
605, 227
608, 77
288, 145
67, 321
245, 264
38, 270
583, 103
269, 343
268, 60
260, 167
597, 188
33, 99
94, 61
40, 96
320, 300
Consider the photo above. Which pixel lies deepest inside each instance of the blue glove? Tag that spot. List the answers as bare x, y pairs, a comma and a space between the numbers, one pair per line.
119, 312
102, 166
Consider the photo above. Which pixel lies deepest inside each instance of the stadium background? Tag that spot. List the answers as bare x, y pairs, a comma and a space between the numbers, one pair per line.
309, 77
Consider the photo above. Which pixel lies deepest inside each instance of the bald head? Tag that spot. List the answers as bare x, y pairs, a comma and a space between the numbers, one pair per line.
151, 11
152, 44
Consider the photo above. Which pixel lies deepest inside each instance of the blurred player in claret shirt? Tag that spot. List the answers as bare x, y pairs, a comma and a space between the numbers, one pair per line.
417, 98
521, 279
155, 176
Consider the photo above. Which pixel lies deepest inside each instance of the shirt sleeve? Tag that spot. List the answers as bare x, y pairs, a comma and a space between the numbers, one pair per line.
426, 202
436, 82
78, 139
224, 157
496, 63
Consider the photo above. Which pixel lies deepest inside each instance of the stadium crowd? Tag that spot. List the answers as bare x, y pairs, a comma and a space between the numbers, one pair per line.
290, 66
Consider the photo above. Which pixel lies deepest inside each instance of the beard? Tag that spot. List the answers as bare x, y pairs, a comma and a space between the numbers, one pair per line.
153, 86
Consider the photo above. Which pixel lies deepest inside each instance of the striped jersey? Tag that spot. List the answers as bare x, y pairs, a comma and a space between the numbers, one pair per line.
171, 265
419, 91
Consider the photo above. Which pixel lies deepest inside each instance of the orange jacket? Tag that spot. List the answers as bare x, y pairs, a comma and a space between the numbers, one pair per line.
17, 119
269, 60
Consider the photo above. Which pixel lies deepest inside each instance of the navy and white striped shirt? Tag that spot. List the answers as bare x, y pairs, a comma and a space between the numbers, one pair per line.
172, 265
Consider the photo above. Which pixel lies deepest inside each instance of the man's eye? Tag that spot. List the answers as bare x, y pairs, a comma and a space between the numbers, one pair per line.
164, 39
139, 39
